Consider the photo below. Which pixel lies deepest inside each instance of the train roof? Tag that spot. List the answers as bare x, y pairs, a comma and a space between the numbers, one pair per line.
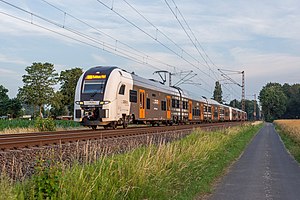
153, 84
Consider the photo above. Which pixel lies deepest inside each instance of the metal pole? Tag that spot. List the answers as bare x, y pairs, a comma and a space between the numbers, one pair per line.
243, 91
254, 107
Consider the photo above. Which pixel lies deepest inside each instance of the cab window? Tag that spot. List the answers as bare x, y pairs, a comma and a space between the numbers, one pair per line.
122, 90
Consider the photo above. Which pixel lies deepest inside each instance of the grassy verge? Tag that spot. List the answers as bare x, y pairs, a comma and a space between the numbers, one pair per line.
289, 131
22, 126
177, 170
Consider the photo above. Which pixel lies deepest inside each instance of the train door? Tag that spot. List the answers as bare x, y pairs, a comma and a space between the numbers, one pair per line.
201, 111
190, 110
142, 104
168, 107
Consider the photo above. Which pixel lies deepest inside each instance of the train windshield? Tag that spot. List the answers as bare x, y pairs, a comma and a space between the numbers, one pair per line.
93, 86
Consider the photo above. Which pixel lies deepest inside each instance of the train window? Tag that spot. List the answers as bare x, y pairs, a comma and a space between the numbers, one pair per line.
209, 109
185, 105
173, 103
163, 105
148, 103
133, 96
93, 86
177, 103
122, 90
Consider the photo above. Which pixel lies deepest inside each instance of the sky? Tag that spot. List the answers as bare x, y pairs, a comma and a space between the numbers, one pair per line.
192, 39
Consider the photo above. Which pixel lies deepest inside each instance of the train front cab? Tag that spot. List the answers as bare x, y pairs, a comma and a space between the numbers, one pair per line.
102, 97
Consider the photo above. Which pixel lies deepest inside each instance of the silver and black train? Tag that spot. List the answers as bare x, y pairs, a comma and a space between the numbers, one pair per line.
111, 97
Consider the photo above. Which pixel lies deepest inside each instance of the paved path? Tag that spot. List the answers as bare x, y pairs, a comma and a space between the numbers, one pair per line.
265, 171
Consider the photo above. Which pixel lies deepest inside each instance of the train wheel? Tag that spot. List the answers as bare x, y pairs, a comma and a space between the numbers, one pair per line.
125, 124
94, 127
113, 125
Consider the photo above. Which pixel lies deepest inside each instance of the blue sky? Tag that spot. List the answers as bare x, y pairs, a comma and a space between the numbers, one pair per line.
261, 38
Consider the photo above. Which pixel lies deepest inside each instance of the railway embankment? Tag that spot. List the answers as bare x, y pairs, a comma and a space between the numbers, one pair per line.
158, 170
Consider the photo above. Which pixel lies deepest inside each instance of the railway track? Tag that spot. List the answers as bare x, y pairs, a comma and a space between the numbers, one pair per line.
27, 140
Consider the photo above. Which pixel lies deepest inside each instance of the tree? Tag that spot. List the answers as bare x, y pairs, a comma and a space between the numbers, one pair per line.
236, 104
57, 106
293, 103
8, 106
38, 85
273, 101
14, 107
68, 80
218, 92
3, 100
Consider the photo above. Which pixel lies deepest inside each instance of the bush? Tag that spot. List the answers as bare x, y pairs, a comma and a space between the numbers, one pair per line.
46, 124
46, 179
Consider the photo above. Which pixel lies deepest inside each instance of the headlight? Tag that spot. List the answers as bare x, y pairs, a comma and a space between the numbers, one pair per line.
104, 102
79, 102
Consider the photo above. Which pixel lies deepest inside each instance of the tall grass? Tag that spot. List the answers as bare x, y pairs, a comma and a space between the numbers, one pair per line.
289, 131
22, 126
15, 123
177, 170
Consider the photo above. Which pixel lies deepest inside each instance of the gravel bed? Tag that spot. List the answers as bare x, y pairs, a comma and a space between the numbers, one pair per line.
20, 164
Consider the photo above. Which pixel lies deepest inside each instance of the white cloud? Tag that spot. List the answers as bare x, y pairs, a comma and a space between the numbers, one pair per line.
9, 59
99, 59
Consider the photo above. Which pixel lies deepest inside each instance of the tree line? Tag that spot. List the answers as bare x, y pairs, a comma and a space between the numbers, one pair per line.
280, 101
277, 101
38, 97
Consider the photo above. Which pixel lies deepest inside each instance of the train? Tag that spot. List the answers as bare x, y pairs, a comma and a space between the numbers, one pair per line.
109, 96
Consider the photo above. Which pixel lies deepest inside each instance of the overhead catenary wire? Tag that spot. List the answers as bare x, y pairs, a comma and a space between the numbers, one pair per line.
137, 57
101, 45
152, 37
107, 35
195, 38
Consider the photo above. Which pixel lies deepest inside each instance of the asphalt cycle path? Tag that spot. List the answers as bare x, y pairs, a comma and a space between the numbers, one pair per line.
264, 171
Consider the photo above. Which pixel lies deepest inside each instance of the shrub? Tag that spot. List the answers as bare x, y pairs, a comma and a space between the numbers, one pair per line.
46, 124
46, 180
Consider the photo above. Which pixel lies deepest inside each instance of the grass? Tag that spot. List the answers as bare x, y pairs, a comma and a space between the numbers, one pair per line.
177, 170
289, 131
24, 126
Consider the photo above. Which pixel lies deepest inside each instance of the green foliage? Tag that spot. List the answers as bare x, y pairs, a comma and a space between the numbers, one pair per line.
66, 124
14, 107
273, 101
178, 170
38, 85
218, 92
293, 103
68, 80
6, 188
22, 123
57, 106
291, 140
4, 99
15, 123
46, 181
46, 124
